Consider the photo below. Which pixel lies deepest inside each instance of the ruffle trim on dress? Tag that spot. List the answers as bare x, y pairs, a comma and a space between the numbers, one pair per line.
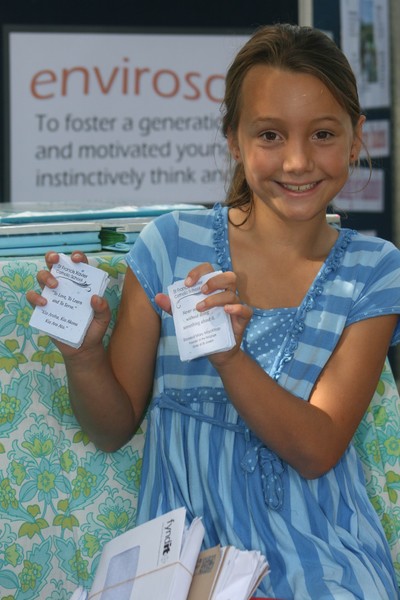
331, 264
220, 238
271, 472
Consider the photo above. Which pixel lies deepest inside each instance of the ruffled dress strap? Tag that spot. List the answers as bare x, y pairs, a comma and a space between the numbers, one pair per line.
221, 243
311, 301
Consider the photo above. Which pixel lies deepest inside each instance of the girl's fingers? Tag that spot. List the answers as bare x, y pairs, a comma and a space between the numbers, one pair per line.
222, 298
163, 301
52, 257
78, 256
45, 278
222, 281
194, 275
35, 299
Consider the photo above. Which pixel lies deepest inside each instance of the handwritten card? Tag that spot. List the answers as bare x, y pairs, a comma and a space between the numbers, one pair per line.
68, 314
199, 333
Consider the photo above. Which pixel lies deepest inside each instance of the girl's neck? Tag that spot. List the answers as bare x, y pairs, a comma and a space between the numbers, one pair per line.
312, 239
276, 262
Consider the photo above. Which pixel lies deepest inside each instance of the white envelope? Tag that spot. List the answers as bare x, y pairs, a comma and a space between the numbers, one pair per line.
154, 560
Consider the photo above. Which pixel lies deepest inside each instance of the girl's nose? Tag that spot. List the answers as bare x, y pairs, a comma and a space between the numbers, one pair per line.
298, 157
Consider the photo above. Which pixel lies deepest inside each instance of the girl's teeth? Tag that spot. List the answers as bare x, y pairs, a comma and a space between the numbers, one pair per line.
299, 188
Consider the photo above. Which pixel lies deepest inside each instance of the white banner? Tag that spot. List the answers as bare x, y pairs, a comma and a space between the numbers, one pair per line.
113, 118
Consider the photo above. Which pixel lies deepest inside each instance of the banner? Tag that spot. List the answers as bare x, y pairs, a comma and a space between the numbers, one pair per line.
116, 117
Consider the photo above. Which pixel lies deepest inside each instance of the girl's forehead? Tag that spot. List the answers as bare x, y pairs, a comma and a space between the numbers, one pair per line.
280, 90
275, 80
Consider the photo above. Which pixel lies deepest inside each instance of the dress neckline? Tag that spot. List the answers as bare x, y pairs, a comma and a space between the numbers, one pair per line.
329, 266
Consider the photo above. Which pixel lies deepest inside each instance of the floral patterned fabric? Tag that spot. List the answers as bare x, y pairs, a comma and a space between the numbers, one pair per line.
60, 498
377, 440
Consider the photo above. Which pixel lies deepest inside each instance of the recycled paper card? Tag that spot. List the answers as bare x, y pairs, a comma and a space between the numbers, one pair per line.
199, 333
68, 313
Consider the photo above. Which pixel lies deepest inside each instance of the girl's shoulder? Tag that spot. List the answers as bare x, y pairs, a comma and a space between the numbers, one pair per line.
182, 220
368, 247
190, 234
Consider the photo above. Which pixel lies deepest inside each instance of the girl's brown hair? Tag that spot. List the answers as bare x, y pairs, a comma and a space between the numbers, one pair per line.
292, 48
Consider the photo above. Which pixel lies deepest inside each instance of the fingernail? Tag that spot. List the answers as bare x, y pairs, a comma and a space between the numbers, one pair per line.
188, 281
204, 288
200, 305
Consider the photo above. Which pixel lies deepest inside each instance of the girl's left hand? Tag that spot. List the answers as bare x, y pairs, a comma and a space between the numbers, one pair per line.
226, 297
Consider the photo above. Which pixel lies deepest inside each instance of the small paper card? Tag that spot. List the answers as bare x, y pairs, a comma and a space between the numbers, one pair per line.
199, 334
68, 314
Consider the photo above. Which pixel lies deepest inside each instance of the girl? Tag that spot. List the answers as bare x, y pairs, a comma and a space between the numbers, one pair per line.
257, 440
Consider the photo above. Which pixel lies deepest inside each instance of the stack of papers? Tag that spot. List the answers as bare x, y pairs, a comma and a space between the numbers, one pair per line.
199, 333
160, 560
226, 573
10, 215
28, 233
68, 314
39, 238
154, 560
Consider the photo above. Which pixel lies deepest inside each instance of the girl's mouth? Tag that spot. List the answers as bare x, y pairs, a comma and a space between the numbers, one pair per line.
299, 188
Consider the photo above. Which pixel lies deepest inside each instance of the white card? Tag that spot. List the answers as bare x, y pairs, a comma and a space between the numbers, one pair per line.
68, 314
199, 333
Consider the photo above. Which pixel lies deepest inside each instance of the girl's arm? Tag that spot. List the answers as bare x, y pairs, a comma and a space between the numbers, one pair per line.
109, 389
311, 436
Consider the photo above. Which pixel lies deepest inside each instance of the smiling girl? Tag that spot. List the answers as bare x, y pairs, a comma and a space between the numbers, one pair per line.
257, 440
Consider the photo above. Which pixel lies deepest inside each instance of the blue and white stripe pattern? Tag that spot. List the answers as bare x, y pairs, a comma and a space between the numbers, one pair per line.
322, 537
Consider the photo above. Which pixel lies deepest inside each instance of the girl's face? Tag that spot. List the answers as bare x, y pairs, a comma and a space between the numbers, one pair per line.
295, 142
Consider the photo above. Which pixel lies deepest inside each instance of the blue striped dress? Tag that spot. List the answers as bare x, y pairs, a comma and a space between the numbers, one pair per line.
322, 537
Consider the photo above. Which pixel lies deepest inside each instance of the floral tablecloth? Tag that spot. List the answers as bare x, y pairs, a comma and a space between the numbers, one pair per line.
60, 498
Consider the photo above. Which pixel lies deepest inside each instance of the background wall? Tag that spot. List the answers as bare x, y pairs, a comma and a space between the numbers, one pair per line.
196, 14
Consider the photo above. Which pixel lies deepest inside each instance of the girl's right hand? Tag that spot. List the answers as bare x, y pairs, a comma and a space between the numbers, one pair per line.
102, 313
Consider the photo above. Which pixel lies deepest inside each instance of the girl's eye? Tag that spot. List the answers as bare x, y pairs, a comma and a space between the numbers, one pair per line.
323, 135
270, 136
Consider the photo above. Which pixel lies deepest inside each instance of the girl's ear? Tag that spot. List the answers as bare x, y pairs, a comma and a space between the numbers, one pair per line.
357, 140
233, 145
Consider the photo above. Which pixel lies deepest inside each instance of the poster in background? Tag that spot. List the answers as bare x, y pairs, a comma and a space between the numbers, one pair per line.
363, 192
376, 138
108, 117
365, 41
